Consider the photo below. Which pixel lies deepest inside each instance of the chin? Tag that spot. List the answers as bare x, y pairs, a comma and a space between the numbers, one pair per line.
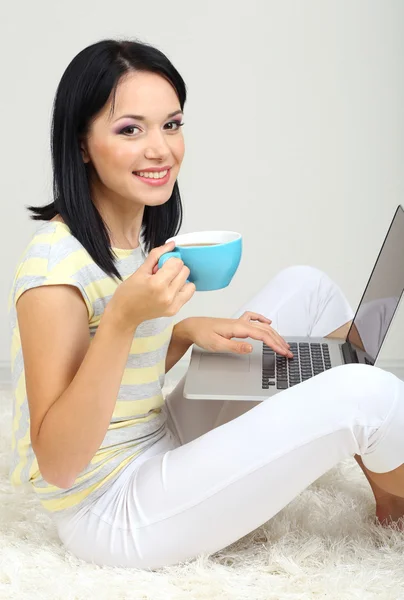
150, 200
155, 199
157, 202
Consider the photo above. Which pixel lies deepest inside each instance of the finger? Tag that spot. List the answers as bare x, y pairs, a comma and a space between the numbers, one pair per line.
275, 335
279, 338
224, 345
154, 256
248, 316
258, 333
179, 280
273, 332
169, 271
183, 296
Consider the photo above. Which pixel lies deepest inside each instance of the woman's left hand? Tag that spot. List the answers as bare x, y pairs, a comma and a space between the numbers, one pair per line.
215, 334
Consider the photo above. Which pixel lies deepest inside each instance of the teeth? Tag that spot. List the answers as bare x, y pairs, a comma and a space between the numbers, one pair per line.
152, 175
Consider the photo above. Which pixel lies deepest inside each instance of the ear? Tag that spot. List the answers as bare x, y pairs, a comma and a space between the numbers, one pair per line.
84, 151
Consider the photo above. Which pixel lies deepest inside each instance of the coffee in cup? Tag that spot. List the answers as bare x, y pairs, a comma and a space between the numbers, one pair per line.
189, 245
212, 257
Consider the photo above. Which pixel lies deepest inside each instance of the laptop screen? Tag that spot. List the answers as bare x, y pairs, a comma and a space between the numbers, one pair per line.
381, 296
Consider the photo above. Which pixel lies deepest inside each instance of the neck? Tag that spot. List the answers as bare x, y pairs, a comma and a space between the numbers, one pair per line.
123, 220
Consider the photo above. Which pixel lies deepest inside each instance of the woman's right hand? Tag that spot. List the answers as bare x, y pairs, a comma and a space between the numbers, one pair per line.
145, 295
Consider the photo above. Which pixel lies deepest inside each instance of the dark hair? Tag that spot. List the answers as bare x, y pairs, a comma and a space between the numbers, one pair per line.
84, 89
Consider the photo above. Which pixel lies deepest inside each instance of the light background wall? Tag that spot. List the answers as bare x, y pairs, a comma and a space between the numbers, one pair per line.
294, 128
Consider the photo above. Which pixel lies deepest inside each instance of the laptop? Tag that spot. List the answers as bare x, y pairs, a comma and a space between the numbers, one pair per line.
263, 372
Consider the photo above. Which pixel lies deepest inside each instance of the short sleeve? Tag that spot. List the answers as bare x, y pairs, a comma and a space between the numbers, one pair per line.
51, 260
27, 282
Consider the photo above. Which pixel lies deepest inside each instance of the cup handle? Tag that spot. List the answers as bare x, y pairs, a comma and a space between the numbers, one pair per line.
164, 258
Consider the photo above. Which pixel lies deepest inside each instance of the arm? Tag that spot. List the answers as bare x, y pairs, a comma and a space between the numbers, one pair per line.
72, 385
179, 344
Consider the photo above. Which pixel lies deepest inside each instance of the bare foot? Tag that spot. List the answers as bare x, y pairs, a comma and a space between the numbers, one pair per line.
390, 510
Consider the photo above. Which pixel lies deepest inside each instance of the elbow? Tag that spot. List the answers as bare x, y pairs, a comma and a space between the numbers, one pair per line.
51, 473
56, 478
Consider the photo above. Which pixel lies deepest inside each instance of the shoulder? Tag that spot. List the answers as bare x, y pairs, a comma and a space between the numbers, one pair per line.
52, 256
53, 250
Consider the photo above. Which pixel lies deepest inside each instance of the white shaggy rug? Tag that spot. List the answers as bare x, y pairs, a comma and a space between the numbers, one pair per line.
323, 545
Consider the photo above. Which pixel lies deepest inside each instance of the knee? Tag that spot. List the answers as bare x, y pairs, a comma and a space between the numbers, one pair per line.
367, 378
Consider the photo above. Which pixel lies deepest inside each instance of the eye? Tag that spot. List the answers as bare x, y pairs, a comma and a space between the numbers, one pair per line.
177, 123
129, 127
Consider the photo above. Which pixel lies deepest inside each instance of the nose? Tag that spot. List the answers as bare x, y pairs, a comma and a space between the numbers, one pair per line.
156, 146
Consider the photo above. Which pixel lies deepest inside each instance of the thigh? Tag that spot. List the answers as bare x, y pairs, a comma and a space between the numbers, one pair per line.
205, 495
201, 496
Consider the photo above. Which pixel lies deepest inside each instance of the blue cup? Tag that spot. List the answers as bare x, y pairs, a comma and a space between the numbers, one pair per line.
213, 263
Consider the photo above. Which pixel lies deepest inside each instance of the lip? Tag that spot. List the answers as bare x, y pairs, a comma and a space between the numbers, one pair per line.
153, 169
155, 182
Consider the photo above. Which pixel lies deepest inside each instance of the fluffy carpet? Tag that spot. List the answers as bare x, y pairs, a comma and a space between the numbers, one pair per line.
323, 545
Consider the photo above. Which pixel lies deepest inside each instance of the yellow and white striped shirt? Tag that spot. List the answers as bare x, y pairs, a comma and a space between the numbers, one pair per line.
54, 256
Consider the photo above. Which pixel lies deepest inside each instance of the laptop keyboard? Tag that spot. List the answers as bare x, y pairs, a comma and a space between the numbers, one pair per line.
309, 359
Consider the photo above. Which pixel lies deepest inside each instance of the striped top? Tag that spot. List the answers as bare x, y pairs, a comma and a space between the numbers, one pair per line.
55, 256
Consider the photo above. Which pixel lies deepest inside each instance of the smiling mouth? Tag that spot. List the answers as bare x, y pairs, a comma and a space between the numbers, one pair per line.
151, 174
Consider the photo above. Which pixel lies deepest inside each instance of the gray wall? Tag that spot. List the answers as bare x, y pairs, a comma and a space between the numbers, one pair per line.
294, 127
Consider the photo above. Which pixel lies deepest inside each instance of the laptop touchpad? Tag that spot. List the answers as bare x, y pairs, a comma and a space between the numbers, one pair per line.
225, 362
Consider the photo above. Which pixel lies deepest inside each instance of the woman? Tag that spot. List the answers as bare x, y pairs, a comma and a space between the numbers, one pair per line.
93, 336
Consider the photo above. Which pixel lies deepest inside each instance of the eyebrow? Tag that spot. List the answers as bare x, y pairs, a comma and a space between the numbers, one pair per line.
140, 118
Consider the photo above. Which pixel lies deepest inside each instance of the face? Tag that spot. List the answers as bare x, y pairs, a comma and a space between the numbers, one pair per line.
122, 149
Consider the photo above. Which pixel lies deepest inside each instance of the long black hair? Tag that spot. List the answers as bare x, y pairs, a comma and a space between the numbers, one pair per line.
85, 87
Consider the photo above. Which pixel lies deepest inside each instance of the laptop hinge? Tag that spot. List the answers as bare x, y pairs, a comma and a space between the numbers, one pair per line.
349, 353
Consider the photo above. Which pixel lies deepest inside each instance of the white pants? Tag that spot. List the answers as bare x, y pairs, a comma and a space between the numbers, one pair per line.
179, 500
